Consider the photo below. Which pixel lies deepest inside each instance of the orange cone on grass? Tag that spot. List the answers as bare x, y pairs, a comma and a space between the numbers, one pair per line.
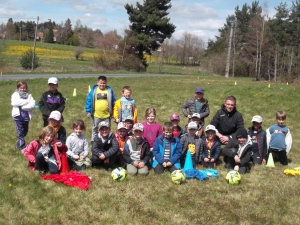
64, 163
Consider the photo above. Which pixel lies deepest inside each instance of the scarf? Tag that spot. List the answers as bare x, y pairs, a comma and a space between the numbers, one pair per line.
23, 94
55, 128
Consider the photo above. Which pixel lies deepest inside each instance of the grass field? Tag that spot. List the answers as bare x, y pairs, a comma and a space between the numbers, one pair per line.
265, 196
57, 58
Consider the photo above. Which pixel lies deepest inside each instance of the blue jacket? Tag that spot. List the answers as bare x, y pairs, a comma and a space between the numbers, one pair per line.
214, 151
261, 142
90, 100
158, 151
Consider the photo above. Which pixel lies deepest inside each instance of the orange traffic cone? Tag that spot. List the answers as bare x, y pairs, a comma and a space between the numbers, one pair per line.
64, 163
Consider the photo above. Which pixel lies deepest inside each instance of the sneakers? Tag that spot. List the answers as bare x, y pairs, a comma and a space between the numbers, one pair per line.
109, 169
42, 172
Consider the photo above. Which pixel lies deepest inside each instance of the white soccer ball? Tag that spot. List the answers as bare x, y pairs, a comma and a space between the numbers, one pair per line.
119, 174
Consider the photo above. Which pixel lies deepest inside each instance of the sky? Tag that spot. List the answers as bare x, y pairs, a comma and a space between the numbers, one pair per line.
202, 18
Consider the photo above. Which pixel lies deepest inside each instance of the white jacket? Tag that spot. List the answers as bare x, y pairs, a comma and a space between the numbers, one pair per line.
26, 104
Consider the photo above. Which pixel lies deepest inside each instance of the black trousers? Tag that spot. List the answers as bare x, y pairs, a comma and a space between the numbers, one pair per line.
280, 155
42, 164
160, 169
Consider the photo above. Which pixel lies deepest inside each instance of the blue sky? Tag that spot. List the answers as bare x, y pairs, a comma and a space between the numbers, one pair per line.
199, 17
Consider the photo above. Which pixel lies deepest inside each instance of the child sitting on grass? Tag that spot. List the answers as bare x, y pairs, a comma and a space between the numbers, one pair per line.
121, 136
177, 130
43, 152
55, 122
211, 148
78, 147
167, 151
191, 142
137, 152
259, 141
238, 151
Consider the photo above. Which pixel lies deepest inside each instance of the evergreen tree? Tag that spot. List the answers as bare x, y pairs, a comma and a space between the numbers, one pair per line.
150, 25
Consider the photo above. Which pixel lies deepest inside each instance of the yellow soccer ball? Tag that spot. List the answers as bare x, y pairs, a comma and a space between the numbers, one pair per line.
178, 177
233, 177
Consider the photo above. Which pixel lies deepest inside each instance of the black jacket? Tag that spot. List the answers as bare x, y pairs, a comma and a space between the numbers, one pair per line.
227, 123
50, 102
109, 147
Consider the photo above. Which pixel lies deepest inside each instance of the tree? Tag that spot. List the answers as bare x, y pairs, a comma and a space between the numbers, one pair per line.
149, 25
26, 60
48, 33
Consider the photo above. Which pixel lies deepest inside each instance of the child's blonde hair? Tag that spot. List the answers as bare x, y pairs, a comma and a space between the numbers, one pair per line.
149, 111
281, 115
48, 130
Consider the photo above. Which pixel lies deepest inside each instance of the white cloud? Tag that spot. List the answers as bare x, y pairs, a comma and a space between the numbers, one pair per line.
88, 8
181, 10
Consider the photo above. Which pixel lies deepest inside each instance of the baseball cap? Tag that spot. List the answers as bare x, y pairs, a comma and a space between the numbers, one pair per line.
174, 116
138, 126
192, 125
121, 125
199, 89
210, 127
129, 119
241, 133
52, 80
56, 115
257, 119
103, 124
196, 115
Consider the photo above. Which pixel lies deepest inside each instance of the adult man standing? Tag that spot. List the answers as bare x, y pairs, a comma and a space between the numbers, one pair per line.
227, 120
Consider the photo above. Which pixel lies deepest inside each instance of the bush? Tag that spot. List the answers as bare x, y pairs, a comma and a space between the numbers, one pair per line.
78, 53
132, 63
26, 60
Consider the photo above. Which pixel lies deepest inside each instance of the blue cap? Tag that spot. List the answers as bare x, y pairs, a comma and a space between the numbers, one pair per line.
199, 89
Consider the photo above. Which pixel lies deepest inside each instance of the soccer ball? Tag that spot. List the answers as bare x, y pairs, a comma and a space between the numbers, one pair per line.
233, 177
178, 177
119, 174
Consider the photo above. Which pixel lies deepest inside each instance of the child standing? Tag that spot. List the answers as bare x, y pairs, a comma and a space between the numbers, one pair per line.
259, 141
54, 121
177, 130
78, 147
23, 105
99, 104
137, 152
191, 142
51, 100
279, 139
43, 152
125, 106
197, 104
211, 148
167, 151
238, 151
151, 129
105, 147
122, 137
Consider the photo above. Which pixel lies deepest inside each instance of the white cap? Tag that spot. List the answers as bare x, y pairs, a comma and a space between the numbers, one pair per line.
121, 125
138, 126
103, 124
257, 119
56, 115
192, 125
196, 115
52, 80
210, 127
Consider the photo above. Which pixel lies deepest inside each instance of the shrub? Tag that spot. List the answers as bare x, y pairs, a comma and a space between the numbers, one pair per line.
132, 63
26, 60
78, 53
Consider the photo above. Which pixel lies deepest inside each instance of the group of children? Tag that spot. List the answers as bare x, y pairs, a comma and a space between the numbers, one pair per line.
138, 146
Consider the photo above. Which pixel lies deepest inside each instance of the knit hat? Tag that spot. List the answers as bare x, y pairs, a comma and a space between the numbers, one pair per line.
138, 126
192, 125
52, 80
103, 124
56, 115
121, 125
241, 133
257, 119
196, 115
210, 127
174, 116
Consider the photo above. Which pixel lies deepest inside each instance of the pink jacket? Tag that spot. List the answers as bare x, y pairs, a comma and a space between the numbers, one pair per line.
32, 149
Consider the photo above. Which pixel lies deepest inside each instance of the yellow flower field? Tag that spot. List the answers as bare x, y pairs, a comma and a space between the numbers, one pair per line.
44, 52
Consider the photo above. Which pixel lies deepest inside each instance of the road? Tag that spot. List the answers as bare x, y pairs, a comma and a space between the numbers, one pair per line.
29, 76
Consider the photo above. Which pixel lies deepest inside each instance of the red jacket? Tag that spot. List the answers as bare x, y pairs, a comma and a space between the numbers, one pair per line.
32, 149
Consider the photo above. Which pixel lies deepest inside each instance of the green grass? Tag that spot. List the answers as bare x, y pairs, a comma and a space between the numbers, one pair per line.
265, 196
